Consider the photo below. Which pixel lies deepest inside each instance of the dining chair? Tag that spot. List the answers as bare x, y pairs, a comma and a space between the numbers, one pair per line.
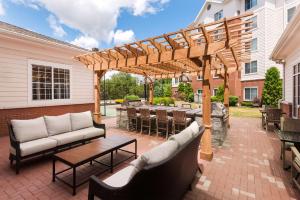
146, 119
162, 121
272, 116
180, 121
133, 117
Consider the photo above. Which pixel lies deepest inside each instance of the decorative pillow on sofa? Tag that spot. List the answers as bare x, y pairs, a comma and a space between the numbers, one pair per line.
155, 155
58, 124
194, 127
183, 137
81, 120
31, 129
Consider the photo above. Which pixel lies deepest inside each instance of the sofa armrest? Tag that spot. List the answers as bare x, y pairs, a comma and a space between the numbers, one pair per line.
13, 141
97, 125
99, 189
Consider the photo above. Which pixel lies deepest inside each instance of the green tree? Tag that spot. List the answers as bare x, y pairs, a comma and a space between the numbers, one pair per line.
272, 91
186, 91
220, 93
163, 88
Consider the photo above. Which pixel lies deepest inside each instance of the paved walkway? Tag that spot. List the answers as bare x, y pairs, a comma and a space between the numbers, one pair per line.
247, 166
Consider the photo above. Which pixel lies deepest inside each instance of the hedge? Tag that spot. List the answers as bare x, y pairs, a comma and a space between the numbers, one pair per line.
131, 97
163, 100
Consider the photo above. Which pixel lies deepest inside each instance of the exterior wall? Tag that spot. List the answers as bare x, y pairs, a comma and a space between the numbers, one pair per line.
33, 112
15, 87
259, 84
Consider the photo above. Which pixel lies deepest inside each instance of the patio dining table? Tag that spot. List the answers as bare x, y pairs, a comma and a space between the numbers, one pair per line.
287, 137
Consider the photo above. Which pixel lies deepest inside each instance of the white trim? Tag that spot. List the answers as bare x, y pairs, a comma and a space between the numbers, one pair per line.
244, 95
199, 79
52, 101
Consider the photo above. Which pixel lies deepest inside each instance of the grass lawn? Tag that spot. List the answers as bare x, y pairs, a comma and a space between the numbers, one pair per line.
244, 112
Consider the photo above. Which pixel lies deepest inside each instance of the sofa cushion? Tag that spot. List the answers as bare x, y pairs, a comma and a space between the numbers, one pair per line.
183, 137
90, 132
122, 177
34, 146
159, 153
194, 127
138, 163
81, 120
31, 129
58, 124
66, 138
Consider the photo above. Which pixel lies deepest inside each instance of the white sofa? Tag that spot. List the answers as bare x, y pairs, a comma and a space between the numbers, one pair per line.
45, 134
164, 172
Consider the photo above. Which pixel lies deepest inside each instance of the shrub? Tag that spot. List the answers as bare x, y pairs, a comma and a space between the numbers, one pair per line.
163, 100
186, 92
191, 97
214, 99
119, 101
233, 100
220, 93
272, 91
247, 103
131, 98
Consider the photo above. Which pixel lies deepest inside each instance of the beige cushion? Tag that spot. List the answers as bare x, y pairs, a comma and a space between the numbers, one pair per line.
122, 177
90, 132
31, 129
138, 163
31, 147
81, 120
66, 138
183, 137
159, 153
58, 124
194, 127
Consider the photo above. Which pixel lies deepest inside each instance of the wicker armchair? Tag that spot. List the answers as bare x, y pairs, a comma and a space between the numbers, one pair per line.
132, 119
180, 121
272, 116
162, 121
295, 167
146, 119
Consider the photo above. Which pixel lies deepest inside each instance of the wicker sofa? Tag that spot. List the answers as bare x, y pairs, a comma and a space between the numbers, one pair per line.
165, 172
50, 134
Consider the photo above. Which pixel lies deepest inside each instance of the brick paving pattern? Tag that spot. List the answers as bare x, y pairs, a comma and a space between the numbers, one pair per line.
247, 166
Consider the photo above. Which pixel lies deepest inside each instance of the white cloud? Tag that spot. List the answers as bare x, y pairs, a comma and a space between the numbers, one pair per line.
27, 3
96, 18
56, 27
121, 37
2, 11
86, 42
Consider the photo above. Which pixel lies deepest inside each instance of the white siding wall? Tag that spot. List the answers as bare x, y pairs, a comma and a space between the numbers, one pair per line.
290, 62
14, 56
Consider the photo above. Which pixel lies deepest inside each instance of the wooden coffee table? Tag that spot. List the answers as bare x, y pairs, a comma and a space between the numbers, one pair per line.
88, 153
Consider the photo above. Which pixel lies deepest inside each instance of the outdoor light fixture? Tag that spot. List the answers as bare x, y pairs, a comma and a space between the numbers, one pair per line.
184, 78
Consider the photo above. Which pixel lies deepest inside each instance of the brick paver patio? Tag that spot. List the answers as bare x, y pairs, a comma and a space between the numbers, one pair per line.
247, 166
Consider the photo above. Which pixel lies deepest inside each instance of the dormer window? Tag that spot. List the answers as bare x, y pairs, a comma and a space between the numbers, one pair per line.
218, 15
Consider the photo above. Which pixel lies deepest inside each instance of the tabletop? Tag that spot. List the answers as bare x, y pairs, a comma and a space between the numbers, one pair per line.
288, 136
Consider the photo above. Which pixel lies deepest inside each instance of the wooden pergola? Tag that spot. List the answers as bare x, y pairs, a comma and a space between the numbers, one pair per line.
216, 48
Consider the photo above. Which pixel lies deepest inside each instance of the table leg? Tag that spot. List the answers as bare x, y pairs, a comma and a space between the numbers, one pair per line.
74, 181
135, 149
53, 170
111, 162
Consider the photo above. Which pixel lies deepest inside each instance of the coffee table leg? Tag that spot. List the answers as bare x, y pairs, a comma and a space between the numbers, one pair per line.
135, 148
53, 170
74, 180
111, 162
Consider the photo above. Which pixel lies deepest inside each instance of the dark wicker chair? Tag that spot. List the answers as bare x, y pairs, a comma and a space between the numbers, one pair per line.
162, 121
146, 119
272, 116
180, 121
295, 167
132, 119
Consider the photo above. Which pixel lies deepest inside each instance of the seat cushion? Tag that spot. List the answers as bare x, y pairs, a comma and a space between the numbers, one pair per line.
90, 132
35, 146
183, 137
31, 129
58, 124
81, 120
194, 127
122, 177
66, 138
159, 153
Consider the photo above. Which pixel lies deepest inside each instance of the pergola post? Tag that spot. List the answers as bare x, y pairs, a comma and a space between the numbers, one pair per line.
226, 93
151, 93
97, 87
206, 152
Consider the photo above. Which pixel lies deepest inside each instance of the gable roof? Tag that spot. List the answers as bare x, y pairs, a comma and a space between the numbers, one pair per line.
204, 5
5, 27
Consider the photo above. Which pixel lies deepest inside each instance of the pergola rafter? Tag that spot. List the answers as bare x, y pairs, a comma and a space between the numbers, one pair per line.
205, 49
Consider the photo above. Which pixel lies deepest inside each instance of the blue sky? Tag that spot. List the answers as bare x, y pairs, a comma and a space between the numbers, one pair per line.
102, 23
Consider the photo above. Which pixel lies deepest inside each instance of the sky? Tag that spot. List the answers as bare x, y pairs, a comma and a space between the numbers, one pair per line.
100, 23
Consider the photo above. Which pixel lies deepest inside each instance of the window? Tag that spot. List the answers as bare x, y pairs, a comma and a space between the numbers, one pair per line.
250, 93
200, 77
215, 90
254, 44
251, 67
176, 81
219, 15
296, 89
199, 92
215, 76
252, 25
250, 4
290, 13
49, 83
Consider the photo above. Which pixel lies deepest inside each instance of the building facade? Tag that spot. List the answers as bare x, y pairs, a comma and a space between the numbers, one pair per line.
38, 76
269, 21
